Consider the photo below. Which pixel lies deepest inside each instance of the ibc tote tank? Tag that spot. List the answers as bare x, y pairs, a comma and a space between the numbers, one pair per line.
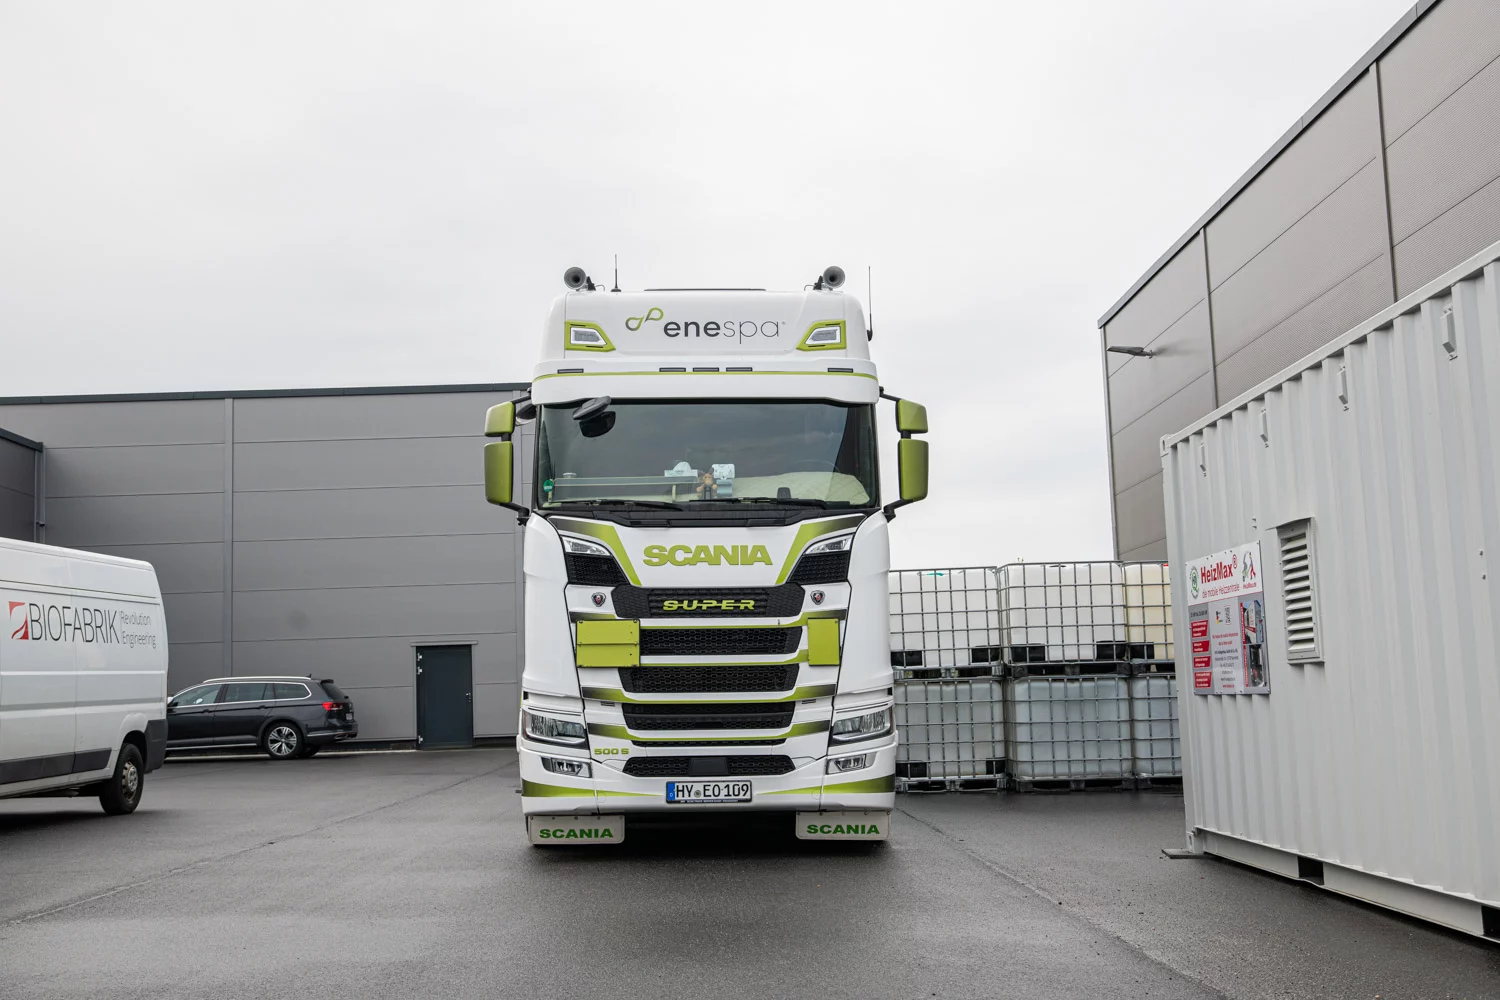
1350, 508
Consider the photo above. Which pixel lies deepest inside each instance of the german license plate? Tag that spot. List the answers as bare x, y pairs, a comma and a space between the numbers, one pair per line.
699, 792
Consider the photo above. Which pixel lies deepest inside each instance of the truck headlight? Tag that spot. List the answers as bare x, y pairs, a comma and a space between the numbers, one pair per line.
862, 727
840, 765
549, 730
570, 768
584, 547
839, 544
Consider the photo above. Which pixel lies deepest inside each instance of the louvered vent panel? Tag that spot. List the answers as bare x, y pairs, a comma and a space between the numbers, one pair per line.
1297, 592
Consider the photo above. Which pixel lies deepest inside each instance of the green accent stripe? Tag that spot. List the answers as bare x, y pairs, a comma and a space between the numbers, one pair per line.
865, 787
809, 531
621, 733
800, 694
593, 374
535, 789
605, 533
631, 795
868, 785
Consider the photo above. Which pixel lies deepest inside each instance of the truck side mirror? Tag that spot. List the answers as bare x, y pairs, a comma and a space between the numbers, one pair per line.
499, 458
911, 457
911, 454
911, 418
500, 421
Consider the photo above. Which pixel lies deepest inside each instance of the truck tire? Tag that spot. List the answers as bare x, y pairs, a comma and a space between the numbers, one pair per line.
122, 791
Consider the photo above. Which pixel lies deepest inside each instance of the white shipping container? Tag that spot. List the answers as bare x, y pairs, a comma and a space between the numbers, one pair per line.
1369, 474
1068, 727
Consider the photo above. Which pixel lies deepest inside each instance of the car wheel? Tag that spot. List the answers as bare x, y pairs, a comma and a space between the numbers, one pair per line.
122, 791
308, 751
283, 741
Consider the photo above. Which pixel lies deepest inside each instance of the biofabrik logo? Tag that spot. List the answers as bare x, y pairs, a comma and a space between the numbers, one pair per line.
36, 622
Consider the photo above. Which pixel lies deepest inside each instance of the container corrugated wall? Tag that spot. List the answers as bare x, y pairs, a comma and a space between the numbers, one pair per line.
1375, 768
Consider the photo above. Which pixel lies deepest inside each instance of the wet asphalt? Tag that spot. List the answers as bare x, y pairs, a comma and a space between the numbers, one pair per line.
408, 875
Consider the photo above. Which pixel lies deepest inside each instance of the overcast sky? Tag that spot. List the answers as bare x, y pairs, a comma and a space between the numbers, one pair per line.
261, 195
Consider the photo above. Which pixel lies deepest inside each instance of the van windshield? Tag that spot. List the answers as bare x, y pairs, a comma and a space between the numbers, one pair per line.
685, 451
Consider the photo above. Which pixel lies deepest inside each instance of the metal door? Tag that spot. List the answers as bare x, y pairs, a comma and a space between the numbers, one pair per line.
445, 697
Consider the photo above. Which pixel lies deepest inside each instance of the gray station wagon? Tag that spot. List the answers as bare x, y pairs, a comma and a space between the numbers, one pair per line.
284, 716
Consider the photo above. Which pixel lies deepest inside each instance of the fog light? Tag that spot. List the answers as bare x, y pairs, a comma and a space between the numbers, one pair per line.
837, 765
561, 765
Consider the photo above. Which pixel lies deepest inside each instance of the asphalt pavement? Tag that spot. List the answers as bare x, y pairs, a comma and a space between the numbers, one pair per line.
408, 875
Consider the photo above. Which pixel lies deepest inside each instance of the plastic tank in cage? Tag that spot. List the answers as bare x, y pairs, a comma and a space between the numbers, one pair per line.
950, 730
1068, 727
1061, 612
944, 618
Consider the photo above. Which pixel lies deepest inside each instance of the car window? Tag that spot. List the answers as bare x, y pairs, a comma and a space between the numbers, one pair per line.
290, 691
204, 694
245, 692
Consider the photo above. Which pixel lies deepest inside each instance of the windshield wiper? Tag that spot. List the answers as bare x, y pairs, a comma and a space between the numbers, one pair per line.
659, 504
789, 501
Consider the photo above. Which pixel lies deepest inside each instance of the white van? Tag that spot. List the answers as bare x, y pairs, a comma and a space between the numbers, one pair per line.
83, 674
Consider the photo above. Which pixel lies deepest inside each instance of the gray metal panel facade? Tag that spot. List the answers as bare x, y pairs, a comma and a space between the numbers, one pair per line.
1147, 396
18, 470
325, 533
1392, 179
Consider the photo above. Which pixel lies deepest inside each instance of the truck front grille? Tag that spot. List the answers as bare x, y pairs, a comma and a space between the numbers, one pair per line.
826, 567
708, 766
719, 641
593, 571
775, 715
688, 680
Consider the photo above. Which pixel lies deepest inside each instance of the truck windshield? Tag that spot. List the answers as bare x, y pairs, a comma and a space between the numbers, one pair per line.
685, 451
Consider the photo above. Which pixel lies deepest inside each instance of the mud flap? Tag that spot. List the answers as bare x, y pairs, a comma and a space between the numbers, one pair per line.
574, 830
849, 824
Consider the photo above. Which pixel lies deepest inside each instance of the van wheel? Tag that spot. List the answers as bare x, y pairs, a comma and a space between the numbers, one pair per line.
122, 792
283, 741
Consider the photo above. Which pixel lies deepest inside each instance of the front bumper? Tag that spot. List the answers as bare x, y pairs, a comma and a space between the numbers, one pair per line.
610, 790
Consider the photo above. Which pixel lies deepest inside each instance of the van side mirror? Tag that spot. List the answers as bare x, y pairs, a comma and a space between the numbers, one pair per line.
911, 454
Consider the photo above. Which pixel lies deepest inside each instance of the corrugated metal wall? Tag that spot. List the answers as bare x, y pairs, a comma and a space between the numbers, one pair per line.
19, 458
1382, 757
320, 533
1391, 179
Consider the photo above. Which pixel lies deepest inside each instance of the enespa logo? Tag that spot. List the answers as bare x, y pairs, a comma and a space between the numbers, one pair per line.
34, 622
713, 555
729, 329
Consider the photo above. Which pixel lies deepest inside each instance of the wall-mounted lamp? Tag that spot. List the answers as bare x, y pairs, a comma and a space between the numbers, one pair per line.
1134, 352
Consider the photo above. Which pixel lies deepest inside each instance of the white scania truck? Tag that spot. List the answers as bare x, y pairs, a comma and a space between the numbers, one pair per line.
705, 555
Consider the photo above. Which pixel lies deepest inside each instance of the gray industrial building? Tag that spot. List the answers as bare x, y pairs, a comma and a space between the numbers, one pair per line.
1390, 179
339, 533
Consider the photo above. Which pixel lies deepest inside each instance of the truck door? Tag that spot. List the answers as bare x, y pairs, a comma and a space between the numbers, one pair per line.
37, 678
